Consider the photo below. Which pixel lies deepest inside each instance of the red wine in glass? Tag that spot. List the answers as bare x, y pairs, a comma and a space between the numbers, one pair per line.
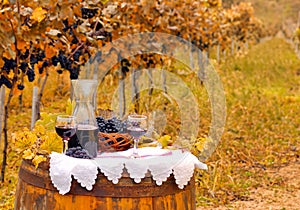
65, 131
88, 137
66, 128
136, 132
137, 126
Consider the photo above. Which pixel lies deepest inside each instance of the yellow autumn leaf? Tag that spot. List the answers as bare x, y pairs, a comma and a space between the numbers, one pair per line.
50, 51
4, 2
38, 159
21, 45
51, 142
24, 139
44, 115
47, 121
28, 154
39, 130
164, 140
104, 1
70, 107
38, 14
199, 145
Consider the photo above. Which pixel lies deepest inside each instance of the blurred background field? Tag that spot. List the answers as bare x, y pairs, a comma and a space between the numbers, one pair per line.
256, 164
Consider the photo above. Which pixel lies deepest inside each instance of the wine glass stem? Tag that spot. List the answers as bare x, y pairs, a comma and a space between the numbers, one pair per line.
135, 147
65, 146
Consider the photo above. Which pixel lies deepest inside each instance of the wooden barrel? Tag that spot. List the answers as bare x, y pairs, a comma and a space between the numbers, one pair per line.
35, 191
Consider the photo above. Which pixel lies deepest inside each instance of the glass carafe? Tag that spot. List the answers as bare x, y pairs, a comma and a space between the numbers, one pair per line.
87, 128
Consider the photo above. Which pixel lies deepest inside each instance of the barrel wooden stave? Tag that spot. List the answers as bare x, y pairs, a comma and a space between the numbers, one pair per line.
36, 192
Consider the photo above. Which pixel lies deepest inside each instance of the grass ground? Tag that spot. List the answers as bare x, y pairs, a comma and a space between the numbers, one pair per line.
276, 14
262, 131
263, 127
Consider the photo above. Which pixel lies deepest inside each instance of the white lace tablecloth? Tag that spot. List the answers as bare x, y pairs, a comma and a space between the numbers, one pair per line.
161, 163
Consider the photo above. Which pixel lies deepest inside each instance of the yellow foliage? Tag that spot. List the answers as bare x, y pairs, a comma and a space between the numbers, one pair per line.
200, 144
38, 159
70, 107
47, 121
50, 51
104, 1
39, 130
51, 142
24, 138
35, 145
164, 140
21, 45
38, 14
4, 2
28, 154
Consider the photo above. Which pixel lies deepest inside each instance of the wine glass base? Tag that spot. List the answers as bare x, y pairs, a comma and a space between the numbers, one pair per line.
134, 156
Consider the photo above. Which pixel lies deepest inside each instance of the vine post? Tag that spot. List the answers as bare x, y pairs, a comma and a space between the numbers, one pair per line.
34, 106
2, 101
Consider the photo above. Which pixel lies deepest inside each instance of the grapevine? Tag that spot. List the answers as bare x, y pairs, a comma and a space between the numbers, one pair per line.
44, 37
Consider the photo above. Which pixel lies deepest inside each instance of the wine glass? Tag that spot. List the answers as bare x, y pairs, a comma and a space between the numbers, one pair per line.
137, 126
65, 127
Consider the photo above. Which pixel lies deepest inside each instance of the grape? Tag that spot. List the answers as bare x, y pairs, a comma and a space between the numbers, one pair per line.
78, 152
75, 25
112, 125
20, 86
36, 56
71, 32
33, 59
25, 55
98, 26
54, 60
144, 57
23, 66
77, 55
41, 55
30, 74
125, 69
150, 62
74, 40
45, 64
124, 65
74, 72
9, 64
41, 70
69, 65
6, 81
62, 60
88, 13
66, 25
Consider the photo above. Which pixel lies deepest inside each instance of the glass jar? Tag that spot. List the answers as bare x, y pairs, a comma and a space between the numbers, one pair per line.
87, 128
